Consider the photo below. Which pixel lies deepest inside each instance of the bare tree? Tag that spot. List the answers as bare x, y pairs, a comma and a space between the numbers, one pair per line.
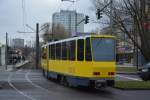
135, 13
59, 32
53, 32
46, 32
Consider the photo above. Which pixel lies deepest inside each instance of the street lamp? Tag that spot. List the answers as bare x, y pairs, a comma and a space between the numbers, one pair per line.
69, 0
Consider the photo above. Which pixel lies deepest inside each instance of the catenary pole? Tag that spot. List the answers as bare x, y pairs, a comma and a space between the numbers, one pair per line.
37, 46
6, 51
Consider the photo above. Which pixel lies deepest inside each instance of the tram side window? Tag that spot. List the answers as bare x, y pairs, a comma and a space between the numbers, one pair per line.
49, 52
64, 51
71, 50
88, 55
43, 53
80, 50
58, 51
53, 51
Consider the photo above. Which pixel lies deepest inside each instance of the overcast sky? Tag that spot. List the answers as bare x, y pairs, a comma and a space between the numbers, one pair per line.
11, 17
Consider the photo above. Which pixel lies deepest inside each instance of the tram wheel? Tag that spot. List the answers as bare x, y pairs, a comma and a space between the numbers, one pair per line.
63, 81
43, 73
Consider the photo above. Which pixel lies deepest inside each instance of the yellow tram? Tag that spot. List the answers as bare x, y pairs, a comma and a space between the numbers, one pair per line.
81, 61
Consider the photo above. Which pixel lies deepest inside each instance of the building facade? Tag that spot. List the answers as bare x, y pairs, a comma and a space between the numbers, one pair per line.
18, 43
2, 55
69, 19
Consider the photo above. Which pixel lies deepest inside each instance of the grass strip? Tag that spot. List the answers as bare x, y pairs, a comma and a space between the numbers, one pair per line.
132, 84
126, 69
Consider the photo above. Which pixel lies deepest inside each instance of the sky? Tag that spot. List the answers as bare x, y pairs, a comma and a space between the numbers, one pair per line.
11, 15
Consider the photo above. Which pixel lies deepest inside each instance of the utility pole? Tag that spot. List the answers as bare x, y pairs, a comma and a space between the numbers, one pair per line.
37, 59
111, 14
37, 47
6, 51
99, 13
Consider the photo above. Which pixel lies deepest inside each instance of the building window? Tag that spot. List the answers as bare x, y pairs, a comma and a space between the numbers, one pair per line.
80, 50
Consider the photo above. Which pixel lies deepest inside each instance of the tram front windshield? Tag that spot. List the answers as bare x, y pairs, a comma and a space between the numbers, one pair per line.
103, 49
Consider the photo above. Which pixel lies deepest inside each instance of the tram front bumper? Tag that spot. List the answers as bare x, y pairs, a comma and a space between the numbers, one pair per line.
98, 83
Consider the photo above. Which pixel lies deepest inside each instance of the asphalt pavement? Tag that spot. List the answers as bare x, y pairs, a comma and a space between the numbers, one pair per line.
29, 84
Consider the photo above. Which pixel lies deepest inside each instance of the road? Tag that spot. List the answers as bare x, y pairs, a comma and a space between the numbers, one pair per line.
29, 84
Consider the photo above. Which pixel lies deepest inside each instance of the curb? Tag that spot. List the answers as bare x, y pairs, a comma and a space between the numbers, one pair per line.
18, 66
0, 86
131, 88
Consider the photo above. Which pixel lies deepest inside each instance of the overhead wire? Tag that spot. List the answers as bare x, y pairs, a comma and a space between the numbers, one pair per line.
24, 14
56, 9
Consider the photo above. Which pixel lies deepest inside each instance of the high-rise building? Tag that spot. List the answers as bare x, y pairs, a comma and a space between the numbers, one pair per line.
69, 19
18, 43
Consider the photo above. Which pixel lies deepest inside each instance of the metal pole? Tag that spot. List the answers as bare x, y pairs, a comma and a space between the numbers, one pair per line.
37, 46
111, 14
6, 51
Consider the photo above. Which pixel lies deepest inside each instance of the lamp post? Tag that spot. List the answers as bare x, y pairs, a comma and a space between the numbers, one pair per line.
69, 1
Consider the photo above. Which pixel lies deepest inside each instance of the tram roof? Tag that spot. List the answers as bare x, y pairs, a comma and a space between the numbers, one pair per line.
79, 37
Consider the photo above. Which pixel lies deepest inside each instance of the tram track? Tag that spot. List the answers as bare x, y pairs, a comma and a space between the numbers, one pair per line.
36, 85
16, 89
25, 76
36, 88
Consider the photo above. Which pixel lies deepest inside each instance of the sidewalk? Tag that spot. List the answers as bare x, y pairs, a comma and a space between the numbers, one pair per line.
125, 65
127, 68
2, 68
